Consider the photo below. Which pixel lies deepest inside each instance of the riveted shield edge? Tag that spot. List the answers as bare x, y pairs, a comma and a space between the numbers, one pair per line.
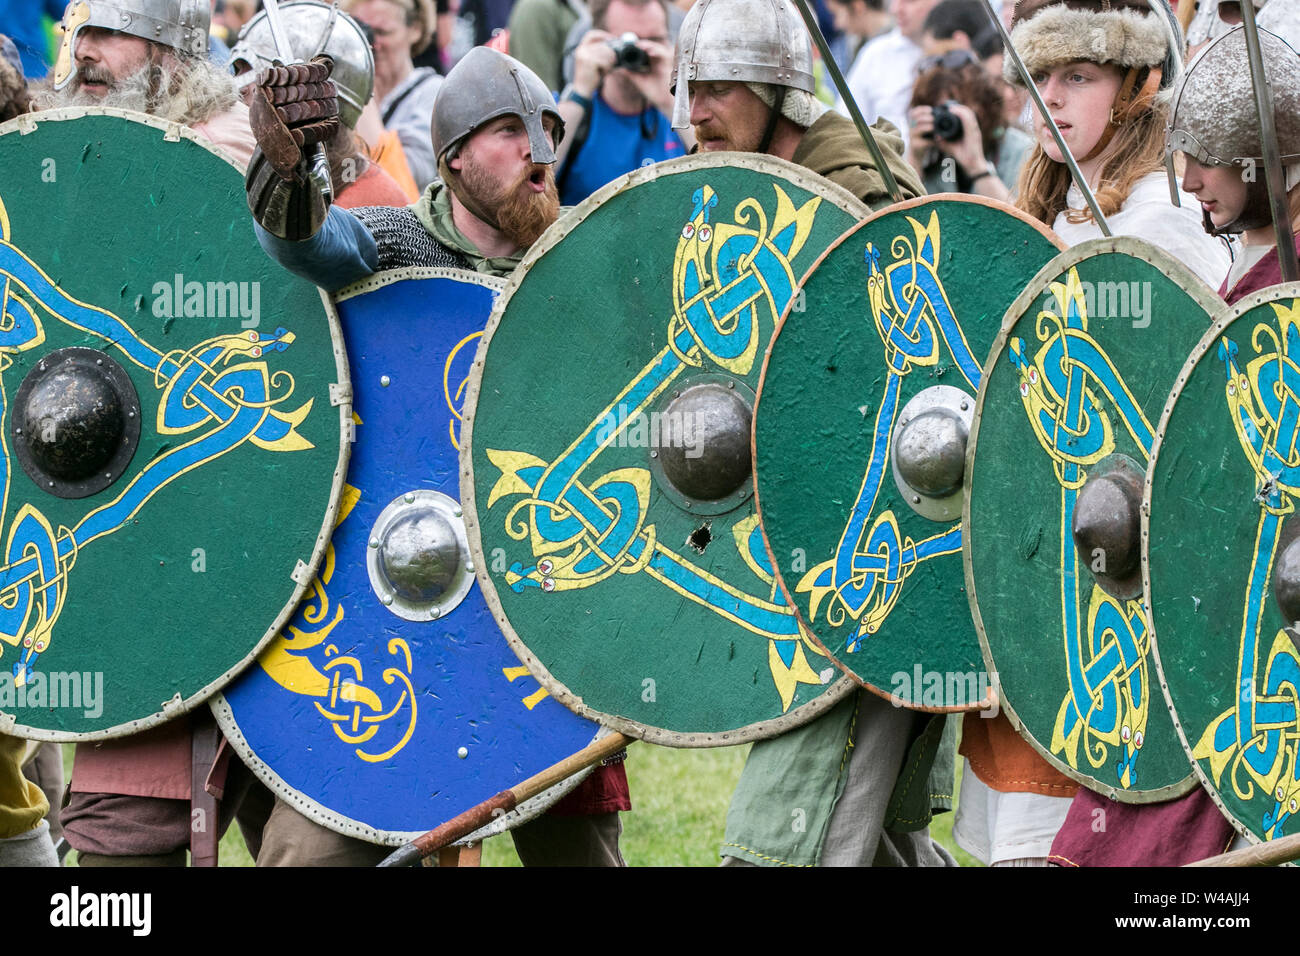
340, 396
839, 687
887, 482
1196, 289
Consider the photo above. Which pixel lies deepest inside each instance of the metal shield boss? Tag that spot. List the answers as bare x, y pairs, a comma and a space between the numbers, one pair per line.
864, 409
613, 520
1063, 436
1220, 559
173, 444
391, 702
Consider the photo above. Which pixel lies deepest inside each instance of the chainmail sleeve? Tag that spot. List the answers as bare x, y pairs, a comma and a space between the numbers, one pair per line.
403, 241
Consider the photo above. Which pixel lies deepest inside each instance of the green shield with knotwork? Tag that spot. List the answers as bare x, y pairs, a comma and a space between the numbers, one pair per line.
612, 514
860, 438
174, 411
1063, 434
1222, 561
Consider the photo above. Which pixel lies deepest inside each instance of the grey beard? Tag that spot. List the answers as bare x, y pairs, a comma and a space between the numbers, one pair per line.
191, 93
130, 93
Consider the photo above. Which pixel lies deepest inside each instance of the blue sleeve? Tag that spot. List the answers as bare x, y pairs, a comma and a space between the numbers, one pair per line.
342, 252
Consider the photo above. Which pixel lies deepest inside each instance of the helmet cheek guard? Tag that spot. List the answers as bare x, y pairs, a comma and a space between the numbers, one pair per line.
741, 41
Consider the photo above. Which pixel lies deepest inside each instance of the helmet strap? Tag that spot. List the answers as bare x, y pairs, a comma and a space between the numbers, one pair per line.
772, 119
1131, 98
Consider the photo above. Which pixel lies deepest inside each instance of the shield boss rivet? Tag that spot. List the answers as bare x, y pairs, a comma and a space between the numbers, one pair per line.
420, 555
931, 452
702, 440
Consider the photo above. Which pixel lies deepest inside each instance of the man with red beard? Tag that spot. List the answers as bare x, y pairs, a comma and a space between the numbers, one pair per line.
494, 197
495, 128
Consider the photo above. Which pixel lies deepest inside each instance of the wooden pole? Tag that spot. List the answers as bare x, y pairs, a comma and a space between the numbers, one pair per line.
480, 816
1261, 854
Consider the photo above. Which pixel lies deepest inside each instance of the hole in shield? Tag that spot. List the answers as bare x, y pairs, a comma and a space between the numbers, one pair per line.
700, 538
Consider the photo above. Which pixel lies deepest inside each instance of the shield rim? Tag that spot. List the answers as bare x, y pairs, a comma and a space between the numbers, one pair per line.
1199, 292
838, 689
311, 808
919, 201
1224, 317
340, 396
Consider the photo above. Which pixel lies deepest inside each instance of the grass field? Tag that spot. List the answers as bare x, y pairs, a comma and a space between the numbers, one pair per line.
679, 800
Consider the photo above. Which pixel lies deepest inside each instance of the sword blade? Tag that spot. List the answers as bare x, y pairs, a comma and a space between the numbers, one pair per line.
278, 33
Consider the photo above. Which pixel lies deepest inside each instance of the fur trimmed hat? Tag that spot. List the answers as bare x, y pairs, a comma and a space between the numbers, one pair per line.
1047, 33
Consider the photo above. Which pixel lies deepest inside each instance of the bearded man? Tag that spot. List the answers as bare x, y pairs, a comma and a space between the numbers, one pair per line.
495, 128
150, 56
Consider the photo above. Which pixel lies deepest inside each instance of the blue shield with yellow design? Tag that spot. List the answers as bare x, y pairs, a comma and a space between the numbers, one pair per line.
391, 702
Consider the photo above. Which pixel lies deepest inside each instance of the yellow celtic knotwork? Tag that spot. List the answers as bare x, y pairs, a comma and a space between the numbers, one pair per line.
722, 270
355, 711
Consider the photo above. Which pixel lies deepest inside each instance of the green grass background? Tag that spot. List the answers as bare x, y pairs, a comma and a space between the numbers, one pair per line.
679, 810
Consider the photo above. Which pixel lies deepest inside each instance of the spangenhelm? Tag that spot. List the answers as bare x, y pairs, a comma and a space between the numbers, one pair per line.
180, 24
1214, 120
746, 41
314, 28
486, 84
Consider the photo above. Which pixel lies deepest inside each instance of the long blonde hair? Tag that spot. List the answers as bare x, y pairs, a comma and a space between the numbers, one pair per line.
1137, 150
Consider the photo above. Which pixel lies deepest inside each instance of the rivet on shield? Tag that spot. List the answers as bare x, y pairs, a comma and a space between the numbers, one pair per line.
385, 381
1107, 528
929, 451
462, 752
418, 559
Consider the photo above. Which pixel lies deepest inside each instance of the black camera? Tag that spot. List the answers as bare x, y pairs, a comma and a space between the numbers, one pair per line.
628, 55
947, 124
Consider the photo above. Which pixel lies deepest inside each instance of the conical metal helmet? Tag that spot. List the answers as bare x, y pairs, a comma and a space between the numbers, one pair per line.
486, 84
746, 41
314, 28
1213, 117
180, 24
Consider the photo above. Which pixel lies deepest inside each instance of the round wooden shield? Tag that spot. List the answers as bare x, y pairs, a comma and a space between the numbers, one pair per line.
1062, 438
391, 702
880, 352
175, 412
613, 518
1218, 520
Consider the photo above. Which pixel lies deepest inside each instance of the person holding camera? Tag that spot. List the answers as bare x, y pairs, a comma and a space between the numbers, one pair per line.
959, 143
619, 101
